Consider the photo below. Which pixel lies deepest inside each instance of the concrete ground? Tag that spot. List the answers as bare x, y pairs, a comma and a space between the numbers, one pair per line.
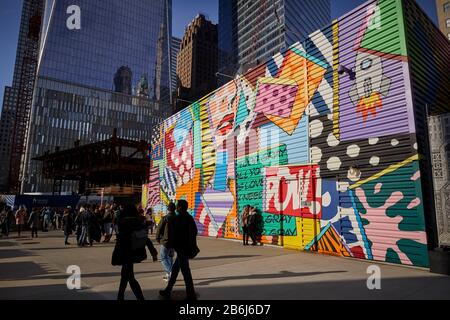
36, 269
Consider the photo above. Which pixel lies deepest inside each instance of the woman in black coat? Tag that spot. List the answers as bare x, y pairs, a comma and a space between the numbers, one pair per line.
124, 255
68, 225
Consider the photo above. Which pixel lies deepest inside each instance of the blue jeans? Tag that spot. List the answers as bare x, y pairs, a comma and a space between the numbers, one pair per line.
84, 236
166, 258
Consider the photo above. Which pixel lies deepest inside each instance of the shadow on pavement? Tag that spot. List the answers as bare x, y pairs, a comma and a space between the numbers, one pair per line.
227, 257
281, 274
437, 288
90, 275
7, 243
13, 253
22, 270
47, 292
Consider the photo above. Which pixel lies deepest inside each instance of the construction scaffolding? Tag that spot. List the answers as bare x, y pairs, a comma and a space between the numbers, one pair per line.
115, 167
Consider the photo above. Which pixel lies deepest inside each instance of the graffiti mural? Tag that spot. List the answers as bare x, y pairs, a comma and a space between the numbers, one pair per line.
320, 140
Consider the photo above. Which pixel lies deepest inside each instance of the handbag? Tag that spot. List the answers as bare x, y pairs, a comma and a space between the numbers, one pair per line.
139, 239
194, 252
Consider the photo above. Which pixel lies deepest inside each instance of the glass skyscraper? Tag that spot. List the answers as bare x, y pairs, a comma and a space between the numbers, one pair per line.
93, 55
251, 31
17, 100
112, 34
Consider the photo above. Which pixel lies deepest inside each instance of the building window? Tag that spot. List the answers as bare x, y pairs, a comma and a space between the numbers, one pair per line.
448, 36
448, 23
447, 7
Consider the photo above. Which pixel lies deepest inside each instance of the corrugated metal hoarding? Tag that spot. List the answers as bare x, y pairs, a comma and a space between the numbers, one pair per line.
321, 140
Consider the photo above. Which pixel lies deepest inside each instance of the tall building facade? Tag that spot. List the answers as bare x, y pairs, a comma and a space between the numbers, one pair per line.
176, 44
439, 131
18, 98
250, 32
197, 60
100, 67
443, 11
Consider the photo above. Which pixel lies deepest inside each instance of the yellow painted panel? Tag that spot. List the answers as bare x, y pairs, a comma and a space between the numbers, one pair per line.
307, 229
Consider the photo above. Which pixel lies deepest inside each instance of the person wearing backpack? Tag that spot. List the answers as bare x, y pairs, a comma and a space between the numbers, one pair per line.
185, 244
164, 237
129, 249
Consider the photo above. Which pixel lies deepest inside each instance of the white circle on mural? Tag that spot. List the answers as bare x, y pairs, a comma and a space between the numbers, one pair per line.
394, 142
375, 161
373, 141
184, 156
334, 164
182, 169
316, 128
353, 151
187, 143
332, 140
316, 155
176, 162
326, 199
172, 155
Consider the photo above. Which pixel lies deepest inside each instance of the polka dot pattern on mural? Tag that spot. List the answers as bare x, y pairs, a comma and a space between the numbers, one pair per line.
336, 157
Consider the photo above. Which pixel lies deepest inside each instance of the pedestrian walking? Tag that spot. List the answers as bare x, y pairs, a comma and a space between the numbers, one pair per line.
33, 222
20, 216
68, 224
107, 223
9, 219
117, 211
4, 221
79, 224
164, 236
85, 237
150, 220
185, 245
129, 249
245, 215
253, 225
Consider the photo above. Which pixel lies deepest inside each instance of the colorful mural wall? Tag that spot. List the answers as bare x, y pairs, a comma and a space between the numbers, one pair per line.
321, 140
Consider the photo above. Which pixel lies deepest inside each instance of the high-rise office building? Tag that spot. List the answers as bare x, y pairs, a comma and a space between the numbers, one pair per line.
176, 44
443, 11
17, 99
252, 31
93, 55
197, 61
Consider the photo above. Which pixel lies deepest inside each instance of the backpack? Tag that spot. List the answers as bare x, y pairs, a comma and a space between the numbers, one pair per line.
139, 239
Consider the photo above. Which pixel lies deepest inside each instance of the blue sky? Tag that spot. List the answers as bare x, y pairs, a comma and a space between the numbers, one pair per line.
183, 12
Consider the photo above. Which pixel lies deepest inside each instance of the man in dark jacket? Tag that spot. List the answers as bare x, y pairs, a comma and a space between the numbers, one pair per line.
185, 245
164, 237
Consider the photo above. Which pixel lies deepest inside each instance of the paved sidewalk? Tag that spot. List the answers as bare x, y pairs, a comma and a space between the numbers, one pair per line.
36, 269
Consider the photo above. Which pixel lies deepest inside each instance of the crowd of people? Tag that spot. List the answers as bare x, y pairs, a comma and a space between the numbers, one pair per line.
176, 233
20, 220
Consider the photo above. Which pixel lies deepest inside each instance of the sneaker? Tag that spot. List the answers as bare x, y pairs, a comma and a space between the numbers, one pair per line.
166, 277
